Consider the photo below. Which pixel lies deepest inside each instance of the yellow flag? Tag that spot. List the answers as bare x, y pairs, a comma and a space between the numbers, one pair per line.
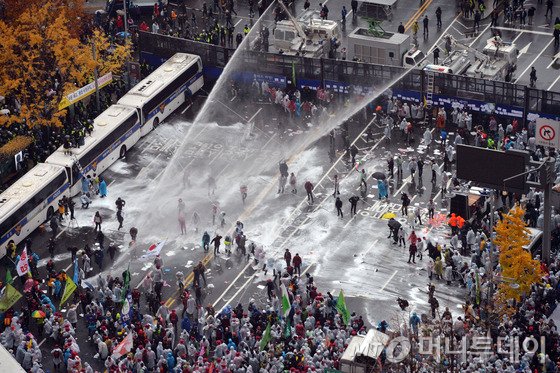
68, 290
10, 297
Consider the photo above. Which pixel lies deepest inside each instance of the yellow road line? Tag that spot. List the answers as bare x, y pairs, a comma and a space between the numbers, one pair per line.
418, 14
187, 282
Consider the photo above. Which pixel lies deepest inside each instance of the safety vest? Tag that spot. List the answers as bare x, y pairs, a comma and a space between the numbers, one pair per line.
246, 30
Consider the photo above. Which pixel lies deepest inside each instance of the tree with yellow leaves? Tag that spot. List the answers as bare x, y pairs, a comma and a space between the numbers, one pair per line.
516, 263
41, 61
110, 57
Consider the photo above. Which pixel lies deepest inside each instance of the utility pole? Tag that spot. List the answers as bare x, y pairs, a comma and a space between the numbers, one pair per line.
125, 6
96, 76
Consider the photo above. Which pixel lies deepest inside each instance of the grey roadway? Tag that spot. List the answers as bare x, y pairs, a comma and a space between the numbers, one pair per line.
337, 251
535, 42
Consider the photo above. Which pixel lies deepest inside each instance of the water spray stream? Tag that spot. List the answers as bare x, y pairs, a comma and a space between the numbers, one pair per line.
217, 155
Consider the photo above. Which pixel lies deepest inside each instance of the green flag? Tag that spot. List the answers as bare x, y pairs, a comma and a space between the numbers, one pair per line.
285, 301
68, 290
342, 309
266, 337
10, 297
294, 73
9, 278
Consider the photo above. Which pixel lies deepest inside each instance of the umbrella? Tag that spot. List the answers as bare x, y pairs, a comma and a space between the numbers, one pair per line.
388, 215
123, 34
379, 175
394, 224
38, 314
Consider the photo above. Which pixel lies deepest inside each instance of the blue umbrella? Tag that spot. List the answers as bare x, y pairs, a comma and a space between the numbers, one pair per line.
122, 34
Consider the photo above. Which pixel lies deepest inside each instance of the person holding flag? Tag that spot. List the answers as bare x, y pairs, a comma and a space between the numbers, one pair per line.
342, 309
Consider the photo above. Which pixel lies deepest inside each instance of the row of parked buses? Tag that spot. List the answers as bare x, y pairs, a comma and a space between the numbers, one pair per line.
33, 199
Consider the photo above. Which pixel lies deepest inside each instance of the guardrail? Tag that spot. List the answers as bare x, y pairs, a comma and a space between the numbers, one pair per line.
502, 98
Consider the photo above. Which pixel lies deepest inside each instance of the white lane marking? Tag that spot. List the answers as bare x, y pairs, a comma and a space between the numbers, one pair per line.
525, 49
231, 284
536, 58
149, 145
479, 35
553, 83
517, 37
254, 115
269, 140
523, 31
445, 32
142, 171
389, 280
349, 221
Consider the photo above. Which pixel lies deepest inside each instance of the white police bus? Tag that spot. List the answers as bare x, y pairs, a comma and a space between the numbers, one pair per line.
30, 201
119, 127
167, 88
114, 132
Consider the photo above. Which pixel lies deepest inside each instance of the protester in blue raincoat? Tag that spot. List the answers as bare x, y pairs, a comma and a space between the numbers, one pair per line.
414, 322
102, 188
170, 362
231, 344
47, 301
381, 189
85, 185
186, 324
57, 288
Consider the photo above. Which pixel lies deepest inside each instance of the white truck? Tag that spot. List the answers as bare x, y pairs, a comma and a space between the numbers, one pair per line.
310, 39
497, 61
386, 49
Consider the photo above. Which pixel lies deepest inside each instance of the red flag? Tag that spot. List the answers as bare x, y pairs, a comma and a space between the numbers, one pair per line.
23, 263
124, 347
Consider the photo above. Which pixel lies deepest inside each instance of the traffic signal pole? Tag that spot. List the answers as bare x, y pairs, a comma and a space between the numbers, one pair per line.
547, 205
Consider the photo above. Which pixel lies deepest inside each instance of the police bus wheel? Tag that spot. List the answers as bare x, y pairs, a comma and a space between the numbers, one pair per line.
156, 122
122, 152
50, 213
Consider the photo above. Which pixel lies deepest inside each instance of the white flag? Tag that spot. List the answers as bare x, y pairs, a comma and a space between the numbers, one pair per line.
125, 308
23, 263
153, 251
124, 347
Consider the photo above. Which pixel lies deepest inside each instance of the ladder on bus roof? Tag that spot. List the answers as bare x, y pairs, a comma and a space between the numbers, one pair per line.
430, 77
77, 163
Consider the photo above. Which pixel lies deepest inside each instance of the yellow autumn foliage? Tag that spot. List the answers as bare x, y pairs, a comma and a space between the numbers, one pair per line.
14, 146
39, 47
516, 262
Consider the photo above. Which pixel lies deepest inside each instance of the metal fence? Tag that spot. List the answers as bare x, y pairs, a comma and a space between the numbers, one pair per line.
506, 95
